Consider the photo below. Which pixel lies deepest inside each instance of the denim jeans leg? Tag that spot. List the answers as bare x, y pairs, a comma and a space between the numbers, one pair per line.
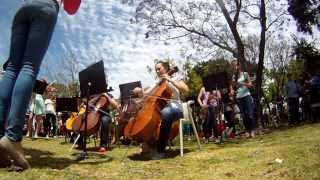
39, 36
242, 107
250, 112
19, 36
168, 116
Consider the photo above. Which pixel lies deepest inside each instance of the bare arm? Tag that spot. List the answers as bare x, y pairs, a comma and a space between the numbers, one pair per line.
113, 102
181, 85
200, 96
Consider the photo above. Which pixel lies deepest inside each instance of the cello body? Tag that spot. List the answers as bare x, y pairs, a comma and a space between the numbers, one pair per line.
128, 110
93, 117
145, 127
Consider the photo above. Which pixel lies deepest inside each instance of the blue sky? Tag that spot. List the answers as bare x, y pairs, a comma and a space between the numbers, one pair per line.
100, 30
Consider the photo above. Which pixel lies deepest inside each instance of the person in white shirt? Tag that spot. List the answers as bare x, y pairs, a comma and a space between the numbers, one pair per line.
50, 122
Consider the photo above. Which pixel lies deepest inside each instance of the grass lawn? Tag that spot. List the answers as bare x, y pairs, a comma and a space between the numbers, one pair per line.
298, 148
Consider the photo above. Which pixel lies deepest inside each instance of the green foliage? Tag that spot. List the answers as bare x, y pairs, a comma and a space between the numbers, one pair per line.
201, 69
67, 90
309, 54
279, 78
295, 68
306, 13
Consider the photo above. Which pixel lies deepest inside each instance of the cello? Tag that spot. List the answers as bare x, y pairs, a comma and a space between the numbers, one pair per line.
93, 117
145, 127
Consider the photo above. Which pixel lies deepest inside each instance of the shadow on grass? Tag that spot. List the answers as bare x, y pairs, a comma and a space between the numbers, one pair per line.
46, 159
169, 155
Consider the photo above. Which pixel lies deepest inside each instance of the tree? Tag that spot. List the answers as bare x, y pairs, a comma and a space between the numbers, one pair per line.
264, 8
309, 54
211, 25
279, 55
200, 23
306, 13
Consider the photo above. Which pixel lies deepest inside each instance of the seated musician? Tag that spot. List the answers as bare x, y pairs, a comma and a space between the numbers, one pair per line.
172, 110
105, 120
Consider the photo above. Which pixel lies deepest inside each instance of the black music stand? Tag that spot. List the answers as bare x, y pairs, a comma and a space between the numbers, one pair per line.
126, 96
92, 81
64, 104
126, 90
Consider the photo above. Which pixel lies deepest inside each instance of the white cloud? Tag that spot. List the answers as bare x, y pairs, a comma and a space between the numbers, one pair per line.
100, 30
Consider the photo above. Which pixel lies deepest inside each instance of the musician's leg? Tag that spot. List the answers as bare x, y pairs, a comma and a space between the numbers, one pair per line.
104, 132
168, 116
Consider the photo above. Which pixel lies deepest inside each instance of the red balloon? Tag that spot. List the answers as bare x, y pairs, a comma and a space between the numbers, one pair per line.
71, 6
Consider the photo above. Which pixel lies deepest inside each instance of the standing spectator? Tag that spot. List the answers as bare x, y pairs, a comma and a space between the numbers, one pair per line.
32, 29
50, 123
38, 112
292, 91
244, 99
228, 113
209, 100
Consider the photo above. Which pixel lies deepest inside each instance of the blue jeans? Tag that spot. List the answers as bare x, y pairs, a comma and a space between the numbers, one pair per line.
169, 114
246, 107
32, 29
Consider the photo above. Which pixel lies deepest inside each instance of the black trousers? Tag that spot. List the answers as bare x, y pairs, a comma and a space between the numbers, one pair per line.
210, 123
293, 104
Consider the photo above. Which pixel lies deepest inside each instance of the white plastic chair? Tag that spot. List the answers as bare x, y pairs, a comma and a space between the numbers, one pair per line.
187, 118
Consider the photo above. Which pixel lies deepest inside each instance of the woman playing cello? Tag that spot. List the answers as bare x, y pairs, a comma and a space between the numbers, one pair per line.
172, 111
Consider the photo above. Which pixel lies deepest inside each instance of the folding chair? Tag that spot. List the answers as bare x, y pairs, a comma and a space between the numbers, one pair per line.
187, 118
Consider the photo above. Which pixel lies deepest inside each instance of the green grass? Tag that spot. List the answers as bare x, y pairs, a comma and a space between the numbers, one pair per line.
299, 148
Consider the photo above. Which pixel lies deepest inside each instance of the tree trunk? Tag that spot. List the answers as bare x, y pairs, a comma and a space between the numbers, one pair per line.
240, 55
261, 59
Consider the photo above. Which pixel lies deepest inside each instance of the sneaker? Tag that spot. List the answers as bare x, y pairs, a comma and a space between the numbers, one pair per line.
157, 156
15, 152
253, 134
